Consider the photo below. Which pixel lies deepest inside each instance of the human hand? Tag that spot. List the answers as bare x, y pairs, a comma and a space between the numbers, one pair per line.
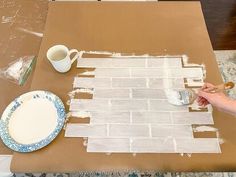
217, 99
202, 101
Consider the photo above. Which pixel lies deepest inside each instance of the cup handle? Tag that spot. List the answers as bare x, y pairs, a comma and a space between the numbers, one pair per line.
76, 55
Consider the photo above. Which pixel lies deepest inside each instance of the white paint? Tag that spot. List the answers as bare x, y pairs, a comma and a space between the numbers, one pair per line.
148, 117
181, 97
113, 54
85, 130
141, 62
130, 102
84, 82
164, 105
195, 82
209, 129
110, 63
188, 118
81, 114
111, 93
108, 145
128, 130
185, 60
130, 55
170, 83
197, 145
205, 129
31, 32
85, 90
89, 105
87, 73
148, 93
68, 102
152, 145
155, 62
183, 131
112, 72
85, 143
101, 117
128, 105
173, 97
129, 83
15, 69
79, 90
8, 19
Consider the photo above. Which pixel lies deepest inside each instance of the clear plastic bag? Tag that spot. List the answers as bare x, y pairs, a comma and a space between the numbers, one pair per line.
19, 70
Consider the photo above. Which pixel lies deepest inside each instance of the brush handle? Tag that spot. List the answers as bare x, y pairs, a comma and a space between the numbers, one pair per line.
221, 87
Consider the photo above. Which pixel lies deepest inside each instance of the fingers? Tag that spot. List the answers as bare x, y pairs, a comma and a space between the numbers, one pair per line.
206, 103
207, 87
204, 94
202, 101
204, 98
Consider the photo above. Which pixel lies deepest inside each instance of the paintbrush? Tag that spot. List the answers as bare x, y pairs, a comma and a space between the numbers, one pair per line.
188, 96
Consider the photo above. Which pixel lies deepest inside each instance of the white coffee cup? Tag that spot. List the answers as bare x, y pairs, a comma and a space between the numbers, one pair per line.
59, 56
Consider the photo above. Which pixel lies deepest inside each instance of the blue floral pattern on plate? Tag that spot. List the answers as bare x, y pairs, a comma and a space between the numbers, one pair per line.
14, 105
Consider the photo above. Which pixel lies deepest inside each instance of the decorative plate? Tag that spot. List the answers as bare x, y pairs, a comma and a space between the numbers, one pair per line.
32, 121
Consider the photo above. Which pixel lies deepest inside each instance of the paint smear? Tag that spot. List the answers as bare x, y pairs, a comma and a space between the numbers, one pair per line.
209, 129
81, 114
131, 55
31, 32
85, 143
101, 53
7, 19
80, 90
87, 73
205, 129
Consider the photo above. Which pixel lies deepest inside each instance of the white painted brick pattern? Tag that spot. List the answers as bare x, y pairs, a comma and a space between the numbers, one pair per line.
129, 112
128, 62
86, 130
145, 117
111, 93
112, 72
84, 82
129, 83
110, 117
192, 118
129, 105
106, 145
197, 145
184, 131
164, 62
153, 145
128, 130
148, 94
164, 105
89, 105
160, 83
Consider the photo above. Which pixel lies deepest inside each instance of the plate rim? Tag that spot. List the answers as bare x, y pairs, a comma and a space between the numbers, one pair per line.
13, 105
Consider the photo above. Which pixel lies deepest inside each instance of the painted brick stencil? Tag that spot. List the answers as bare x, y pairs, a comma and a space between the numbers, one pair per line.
129, 111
